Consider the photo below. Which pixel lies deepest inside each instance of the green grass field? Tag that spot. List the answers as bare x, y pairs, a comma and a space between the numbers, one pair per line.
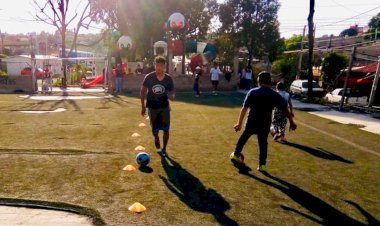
76, 158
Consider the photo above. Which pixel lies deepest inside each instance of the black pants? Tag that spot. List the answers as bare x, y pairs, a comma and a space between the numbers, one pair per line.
262, 138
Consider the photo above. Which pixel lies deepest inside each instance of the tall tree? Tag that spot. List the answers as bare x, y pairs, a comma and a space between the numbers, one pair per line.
144, 20
352, 31
254, 25
374, 28
375, 22
332, 64
55, 13
294, 43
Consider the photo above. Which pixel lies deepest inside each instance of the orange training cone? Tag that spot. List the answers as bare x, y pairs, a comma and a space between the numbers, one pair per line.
129, 168
137, 208
135, 135
139, 148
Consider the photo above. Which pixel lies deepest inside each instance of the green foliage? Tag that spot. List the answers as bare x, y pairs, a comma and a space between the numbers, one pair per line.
253, 25
294, 43
3, 73
77, 72
225, 48
144, 20
371, 34
283, 65
375, 22
286, 67
332, 64
352, 31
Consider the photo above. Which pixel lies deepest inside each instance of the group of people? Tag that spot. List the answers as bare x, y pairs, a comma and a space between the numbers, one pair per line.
215, 72
158, 88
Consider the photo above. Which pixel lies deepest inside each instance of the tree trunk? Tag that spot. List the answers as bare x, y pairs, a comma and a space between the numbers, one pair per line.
64, 61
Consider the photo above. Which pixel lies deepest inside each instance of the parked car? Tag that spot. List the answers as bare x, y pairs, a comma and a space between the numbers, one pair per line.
299, 88
28, 72
350, 98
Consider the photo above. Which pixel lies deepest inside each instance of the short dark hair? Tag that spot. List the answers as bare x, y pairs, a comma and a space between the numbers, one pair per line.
280, 86
264, 78
160, 60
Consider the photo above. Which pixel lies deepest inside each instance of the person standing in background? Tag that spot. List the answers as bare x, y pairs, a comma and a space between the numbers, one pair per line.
119, 79
198, 73
214, 73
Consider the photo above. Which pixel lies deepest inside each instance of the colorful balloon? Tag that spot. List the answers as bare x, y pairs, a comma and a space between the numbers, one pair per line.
176, 21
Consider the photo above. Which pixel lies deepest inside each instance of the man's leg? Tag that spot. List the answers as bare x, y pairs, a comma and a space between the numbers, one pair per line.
166, 139
165, 116
263, 147
242, 140
156, 140
153, 114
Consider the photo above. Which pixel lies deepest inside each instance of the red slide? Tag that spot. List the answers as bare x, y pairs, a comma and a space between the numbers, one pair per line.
98, 79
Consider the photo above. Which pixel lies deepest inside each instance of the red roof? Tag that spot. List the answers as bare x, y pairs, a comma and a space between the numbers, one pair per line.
370, 68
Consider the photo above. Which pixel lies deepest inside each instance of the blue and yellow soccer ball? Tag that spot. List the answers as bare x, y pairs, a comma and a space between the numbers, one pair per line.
142, 158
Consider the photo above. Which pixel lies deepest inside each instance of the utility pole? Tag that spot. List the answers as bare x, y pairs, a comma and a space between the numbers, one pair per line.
301, 53
374, 85
33, 62
347, 76
2, 42
311, 46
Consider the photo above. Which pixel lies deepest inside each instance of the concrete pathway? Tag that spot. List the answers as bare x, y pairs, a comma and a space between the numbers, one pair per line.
369, 123
21, 216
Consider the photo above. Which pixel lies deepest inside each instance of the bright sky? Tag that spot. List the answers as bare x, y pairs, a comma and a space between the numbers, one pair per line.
330, 17
18, 16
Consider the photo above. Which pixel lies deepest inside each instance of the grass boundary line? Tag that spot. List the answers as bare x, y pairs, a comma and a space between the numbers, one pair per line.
341, 139
94, 215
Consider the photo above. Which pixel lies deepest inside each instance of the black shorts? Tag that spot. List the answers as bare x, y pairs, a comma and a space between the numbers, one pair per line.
159, 119
214, 82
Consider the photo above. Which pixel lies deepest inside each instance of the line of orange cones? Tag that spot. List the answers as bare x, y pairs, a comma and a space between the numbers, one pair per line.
136, 207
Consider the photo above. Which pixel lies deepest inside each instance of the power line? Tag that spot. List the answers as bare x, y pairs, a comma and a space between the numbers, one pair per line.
351, 17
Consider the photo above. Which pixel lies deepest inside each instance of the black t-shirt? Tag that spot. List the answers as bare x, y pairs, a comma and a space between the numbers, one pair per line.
158, 90
261, 101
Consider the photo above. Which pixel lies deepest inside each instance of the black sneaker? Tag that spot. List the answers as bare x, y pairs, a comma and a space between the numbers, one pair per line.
157, 143
164, 153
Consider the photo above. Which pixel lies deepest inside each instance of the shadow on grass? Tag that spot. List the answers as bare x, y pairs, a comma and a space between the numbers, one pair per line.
230, 99
328, 214
193, 193
146, 169
94, 215
50, 152
319, 152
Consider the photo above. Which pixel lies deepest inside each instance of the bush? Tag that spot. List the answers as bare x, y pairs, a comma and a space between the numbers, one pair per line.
3, 73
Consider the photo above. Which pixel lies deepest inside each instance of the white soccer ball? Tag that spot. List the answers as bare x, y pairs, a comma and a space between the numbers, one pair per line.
142, 158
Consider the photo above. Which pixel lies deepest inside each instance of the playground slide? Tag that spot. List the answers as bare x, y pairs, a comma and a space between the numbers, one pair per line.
98, 79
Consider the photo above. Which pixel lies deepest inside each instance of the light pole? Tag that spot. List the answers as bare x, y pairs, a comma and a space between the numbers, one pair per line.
2, 42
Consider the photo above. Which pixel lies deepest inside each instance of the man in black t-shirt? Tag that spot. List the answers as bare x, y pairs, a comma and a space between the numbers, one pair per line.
260, 101
158, 87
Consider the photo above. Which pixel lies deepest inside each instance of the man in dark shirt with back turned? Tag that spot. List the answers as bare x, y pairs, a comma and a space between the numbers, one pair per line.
260, 101
160, 89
